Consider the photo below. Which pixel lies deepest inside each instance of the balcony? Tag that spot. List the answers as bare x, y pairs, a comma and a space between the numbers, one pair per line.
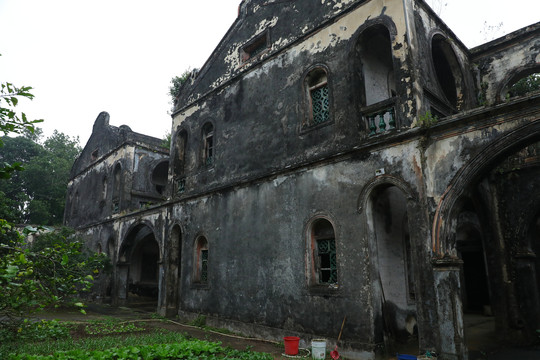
380, 117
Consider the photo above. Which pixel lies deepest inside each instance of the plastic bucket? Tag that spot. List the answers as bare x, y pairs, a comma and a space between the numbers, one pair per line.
318, 349
291, 345
406, 357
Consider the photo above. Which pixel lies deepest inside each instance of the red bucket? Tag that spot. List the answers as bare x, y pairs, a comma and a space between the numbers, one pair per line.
291, 345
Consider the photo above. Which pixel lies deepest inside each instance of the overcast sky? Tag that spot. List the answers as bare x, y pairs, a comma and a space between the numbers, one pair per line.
83, 57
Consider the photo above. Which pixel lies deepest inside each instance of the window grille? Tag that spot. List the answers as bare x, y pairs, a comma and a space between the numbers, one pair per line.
327, 261
320, 104
204, 266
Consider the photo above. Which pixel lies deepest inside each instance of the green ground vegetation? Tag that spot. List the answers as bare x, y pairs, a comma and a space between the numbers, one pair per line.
117, 340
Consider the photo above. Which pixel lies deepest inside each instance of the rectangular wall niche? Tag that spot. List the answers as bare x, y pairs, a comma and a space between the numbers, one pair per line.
254, 47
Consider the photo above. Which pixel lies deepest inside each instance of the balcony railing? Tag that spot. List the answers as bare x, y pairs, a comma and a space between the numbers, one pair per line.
380, 117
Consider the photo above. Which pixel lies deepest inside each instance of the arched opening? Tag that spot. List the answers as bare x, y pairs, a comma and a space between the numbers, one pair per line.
524, 83
179, 162
104, 185
491, 226
474, 276
374, 49
447, 71
159, 176
201, 261
393, 265
117, 189
322, 259
138, 268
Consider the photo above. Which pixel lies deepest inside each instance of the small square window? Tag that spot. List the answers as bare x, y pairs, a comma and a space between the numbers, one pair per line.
254, 48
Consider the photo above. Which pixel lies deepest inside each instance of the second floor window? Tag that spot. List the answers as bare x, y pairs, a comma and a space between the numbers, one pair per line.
318, 97
201, 261
208, 144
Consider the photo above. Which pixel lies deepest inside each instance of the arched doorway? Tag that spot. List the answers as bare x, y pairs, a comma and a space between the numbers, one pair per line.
138, 268
388, 223
502, 178
475, 294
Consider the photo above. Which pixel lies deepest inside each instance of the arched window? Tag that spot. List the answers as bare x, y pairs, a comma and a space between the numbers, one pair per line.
524, 84
104, 184
378, 84
201, 260
180, 153
377, 70
117, 188
159, 176
322, 248
318, 96
208, 144
447, 70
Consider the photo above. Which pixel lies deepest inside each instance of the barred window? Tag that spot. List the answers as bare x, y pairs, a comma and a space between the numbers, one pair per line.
201, 261
318, 97
323, 253
327, 261
204, 265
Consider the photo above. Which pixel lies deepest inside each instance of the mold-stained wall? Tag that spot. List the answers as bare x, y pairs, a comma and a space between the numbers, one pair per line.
368, 117
113, 174
503, 61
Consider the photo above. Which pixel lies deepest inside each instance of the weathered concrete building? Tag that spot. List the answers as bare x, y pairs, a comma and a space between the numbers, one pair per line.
332, 158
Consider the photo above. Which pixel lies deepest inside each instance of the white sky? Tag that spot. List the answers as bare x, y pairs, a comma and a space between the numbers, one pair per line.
83, 57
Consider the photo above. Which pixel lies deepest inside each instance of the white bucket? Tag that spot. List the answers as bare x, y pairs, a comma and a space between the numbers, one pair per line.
318, 349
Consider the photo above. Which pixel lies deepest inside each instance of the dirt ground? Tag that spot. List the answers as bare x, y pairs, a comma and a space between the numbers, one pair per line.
489, 349
95, 312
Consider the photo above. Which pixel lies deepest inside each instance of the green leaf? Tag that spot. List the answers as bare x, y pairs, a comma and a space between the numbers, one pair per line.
65, 260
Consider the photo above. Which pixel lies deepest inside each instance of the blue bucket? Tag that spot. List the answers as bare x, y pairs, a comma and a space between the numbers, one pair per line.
406, 357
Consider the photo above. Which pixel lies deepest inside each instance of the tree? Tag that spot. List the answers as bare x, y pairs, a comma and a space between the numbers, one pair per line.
52, 270
46, 177
14, 197
166, 140
11, 122
177, 82
525, 85
37, 194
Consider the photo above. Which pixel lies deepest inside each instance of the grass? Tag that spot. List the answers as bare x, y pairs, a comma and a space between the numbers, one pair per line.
90, 343
111, 337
